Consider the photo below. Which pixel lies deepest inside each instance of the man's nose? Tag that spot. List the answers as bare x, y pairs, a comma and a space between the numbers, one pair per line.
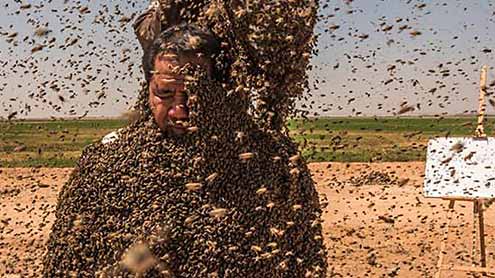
179, 110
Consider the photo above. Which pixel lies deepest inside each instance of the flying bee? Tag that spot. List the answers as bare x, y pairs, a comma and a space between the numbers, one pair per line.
138, 259
447, 160
415, 33
457, 147
469, 156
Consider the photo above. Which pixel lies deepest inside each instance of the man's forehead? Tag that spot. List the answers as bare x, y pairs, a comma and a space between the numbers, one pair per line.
183, 58
168, 57
168, 66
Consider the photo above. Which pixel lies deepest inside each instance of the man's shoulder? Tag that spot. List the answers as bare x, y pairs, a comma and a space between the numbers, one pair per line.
106, 144
111, 137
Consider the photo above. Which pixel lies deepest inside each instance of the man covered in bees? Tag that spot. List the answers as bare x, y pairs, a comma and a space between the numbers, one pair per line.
194, 187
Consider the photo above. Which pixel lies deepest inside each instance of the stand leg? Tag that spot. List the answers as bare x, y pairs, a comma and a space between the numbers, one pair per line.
481, 230
479, 233
443, 246
474, 247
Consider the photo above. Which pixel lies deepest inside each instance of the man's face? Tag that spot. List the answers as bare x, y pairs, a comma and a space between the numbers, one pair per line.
167, 96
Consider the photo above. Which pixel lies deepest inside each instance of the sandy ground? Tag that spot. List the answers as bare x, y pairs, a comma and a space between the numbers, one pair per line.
379, 229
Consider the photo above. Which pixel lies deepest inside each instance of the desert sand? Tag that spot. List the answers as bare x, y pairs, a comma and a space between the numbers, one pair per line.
376, 221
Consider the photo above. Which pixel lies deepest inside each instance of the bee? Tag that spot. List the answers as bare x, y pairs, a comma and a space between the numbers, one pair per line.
41, 31
276, 232
294, 172
294, 158
190, 219
272, 245
296, 207
261, 191
218, 212
211, 177
240, 136
256, 248
406, 109
37, 48
192, 129
246, 156
447, 160
233, 248
403, 181
457, 147
138, 258
415, 33
193, 186
266, 256
469, 156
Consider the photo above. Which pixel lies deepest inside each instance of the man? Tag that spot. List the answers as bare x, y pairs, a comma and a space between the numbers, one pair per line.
192, 189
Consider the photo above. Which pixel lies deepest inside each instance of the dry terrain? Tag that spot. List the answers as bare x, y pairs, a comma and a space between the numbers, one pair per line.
376, 223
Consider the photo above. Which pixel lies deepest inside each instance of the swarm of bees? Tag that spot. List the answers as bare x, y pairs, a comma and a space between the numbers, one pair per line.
236, 195
374, 177
218, 199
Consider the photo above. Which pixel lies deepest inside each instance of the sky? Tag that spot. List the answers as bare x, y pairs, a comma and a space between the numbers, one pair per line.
372, 57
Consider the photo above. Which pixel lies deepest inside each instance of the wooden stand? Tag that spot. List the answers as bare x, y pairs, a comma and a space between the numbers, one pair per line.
478, 241
478, 220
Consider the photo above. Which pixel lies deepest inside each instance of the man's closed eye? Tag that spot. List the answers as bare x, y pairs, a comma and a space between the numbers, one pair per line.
164, 93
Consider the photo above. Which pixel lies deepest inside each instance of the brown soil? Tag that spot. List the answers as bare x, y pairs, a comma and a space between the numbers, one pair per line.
376, 223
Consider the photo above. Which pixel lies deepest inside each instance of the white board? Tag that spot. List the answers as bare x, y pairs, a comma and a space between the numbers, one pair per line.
460, 167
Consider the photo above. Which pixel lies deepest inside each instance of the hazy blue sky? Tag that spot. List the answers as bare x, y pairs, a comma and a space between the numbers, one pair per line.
437, 71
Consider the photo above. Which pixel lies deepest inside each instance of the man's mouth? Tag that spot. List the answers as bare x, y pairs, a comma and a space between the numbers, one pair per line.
179, 125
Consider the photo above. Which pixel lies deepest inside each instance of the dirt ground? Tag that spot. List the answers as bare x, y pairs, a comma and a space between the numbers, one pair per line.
376, 222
